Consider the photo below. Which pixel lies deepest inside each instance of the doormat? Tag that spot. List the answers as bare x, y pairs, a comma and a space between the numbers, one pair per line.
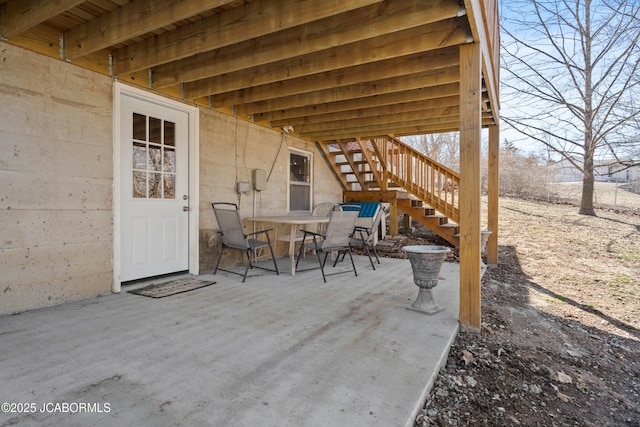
173, 287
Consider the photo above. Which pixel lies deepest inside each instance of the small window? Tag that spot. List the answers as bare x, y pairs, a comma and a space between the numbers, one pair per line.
154, 158
300, 180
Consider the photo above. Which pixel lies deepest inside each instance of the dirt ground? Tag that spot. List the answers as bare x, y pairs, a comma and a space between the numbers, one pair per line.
560, 337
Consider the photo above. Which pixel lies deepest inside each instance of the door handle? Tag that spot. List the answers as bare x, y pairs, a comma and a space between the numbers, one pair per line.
186, 208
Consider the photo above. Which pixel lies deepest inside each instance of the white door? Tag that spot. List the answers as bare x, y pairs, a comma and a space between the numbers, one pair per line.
154, 232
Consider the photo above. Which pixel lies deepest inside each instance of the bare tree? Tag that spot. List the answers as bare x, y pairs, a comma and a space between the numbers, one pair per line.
444, 148
571, 78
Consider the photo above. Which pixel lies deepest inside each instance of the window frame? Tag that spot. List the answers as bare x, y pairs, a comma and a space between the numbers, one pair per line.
290, 182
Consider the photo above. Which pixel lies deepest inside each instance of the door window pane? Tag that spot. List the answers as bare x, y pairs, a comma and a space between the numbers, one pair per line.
170, 134
139, 127
169, 160
155, 130
169, 186
153, 157
155, 185
139, 184
139, 156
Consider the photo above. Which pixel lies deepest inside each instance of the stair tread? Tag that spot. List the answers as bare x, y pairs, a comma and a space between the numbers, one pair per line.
347, 158
360, 162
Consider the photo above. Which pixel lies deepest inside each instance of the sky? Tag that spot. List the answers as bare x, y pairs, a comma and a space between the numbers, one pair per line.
533, 108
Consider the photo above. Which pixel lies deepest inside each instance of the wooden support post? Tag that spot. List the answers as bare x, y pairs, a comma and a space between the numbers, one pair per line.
406, 221
393, 218
470, 134
493, 196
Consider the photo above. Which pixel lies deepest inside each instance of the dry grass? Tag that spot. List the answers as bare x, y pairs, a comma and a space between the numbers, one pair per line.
606, 193
594, 262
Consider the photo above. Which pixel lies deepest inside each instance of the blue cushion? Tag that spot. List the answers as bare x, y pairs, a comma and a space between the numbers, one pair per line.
367, 209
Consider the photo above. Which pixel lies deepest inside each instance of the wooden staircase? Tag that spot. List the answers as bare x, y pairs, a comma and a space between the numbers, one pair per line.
424, 189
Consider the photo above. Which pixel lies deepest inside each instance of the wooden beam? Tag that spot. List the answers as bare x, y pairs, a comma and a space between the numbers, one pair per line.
470, 130
401, 68
45, 40
22, 15
129, 21
348, 155
373, 164
382, 155
493, 194
239, 24
441, 105
351, 92
393, 218
307, 70
388, 196
415, 127
440, 91
425, 118
485, 29
330, 157
389, 46
428, 115
331, 33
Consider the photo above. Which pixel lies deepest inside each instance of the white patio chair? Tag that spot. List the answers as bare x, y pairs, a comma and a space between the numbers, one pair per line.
234, 237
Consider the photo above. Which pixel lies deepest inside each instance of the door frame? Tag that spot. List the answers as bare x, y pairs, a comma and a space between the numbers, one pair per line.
119, 91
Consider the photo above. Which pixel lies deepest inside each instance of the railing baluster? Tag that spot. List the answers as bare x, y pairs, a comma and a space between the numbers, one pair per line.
431, 182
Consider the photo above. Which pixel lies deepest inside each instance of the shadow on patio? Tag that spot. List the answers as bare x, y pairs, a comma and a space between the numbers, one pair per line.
274, 351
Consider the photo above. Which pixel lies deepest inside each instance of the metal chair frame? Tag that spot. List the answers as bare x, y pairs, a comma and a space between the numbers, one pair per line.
234, 237
367, 238
337, 238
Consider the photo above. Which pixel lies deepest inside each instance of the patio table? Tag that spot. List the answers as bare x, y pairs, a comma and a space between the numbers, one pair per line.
294, 221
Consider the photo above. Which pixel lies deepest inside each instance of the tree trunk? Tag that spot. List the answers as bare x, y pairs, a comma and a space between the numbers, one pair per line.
588, 180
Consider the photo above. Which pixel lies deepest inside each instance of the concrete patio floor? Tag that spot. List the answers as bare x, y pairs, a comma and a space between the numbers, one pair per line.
274, 351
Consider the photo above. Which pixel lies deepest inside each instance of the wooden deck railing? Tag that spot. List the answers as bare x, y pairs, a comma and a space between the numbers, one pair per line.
429, 181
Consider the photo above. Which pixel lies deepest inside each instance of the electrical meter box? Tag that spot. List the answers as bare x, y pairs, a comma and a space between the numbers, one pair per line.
259, 179
243, 187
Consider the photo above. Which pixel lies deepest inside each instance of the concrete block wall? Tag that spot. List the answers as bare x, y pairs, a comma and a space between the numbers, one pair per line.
56, 170
56, 173
230, 150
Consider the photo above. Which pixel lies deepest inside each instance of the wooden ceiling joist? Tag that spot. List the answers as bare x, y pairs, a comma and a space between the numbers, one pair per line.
236, 25
433, 105
317, 36
132, 20
353, 92
389, 68
20, 16
379, 101
285, 73
416, 114
400, 129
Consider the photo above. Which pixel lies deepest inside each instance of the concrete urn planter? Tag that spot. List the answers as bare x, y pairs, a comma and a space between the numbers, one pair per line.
484, 237
426, 262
